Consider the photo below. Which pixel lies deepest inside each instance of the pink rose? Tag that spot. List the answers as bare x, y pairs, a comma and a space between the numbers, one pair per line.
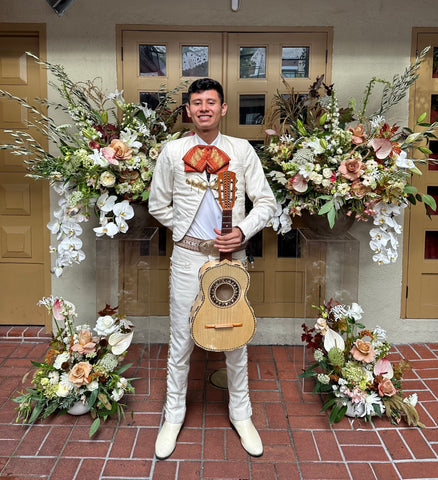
85, 344
386, 388
351, 169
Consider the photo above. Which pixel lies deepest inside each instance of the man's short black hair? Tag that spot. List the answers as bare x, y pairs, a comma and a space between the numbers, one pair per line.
203, 84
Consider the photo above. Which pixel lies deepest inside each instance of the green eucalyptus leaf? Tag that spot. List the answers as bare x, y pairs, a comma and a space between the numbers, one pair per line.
327, 207
328, 404
123, 368
340, 414
429, 200
93, 397
94, 426
331, 216
410, 189
36, 412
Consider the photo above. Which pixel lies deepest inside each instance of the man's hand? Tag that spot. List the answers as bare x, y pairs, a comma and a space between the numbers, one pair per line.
229, 242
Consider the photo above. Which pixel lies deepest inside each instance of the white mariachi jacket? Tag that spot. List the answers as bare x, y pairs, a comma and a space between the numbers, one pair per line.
176, 195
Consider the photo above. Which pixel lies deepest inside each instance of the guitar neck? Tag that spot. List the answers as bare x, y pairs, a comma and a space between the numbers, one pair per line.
227, 227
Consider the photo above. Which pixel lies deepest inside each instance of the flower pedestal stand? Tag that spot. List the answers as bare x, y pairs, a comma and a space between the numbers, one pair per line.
125, 267
331, 271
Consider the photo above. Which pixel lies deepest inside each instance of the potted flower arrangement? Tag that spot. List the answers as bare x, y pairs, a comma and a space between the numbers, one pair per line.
104, 160
352, 368
82, 371
325, 160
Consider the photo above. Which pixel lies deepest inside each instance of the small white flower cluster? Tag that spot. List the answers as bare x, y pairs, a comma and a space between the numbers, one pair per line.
113, 215
67, 229
384, 242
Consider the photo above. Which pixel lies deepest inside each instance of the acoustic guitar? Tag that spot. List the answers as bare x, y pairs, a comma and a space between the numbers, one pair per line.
221, 317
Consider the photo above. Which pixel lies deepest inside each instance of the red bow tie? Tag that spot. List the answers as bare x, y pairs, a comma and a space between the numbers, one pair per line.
206, 157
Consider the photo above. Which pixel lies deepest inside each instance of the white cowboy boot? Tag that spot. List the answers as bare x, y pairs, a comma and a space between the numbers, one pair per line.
166, 440
249, 437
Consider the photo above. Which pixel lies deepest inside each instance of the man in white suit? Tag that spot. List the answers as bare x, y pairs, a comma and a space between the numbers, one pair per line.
183, 198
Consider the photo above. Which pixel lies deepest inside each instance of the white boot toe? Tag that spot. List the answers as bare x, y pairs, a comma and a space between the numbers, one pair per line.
166, 440
249, 437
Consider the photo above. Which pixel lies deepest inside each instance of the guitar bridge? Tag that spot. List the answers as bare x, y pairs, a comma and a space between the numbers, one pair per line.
223, 325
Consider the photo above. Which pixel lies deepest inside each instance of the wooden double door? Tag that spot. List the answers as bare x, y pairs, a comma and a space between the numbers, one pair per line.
250, 66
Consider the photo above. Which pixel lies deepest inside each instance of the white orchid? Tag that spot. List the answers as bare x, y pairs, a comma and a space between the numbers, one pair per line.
71, 228
123, 210
403, 162
69, 244
105, 202
122, 224
109, 228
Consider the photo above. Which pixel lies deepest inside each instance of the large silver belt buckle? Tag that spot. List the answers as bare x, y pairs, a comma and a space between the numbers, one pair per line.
207, 247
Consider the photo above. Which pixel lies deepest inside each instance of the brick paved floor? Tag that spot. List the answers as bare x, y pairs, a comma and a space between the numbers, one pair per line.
299, 443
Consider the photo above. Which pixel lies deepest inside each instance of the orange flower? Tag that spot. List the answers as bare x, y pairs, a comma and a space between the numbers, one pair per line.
363, 351
122, 151
79, 374
359, 135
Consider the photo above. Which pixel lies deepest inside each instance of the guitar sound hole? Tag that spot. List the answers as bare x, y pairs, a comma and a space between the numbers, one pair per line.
224, 292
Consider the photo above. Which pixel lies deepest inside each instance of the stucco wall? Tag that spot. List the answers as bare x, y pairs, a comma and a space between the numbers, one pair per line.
369, 39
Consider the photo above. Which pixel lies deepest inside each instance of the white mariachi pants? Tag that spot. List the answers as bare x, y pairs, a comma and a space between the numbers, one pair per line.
184, 286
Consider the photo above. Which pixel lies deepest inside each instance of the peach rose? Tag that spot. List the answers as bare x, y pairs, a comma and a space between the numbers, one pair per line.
358, 189
352, 168
122, 151
79, 374
386, 388
85, 344
363, 351
359, 134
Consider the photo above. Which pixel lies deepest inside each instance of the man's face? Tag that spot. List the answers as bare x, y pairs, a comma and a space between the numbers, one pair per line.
205, 110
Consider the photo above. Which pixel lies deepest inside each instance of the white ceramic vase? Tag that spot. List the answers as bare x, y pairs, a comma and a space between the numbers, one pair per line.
79, 408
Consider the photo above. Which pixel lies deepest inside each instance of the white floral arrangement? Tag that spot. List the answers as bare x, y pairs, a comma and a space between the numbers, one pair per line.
327, 160
352, 369
81, 366
106, 154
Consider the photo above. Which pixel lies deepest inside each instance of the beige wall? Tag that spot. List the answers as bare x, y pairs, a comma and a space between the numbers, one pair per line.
371, 38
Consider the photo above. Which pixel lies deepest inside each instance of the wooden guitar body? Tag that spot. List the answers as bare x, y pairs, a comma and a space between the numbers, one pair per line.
221, 317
